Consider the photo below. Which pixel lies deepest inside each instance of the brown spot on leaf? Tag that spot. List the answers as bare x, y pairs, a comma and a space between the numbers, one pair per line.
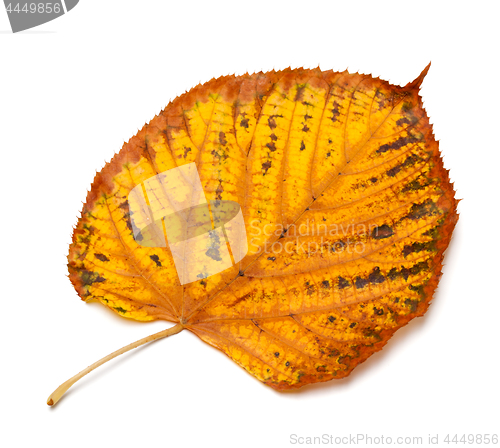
271, 146
101, 257
310, 289
299, 94
418, 246
335, 111
402, 121
89, 277
219, 192
222, 138
266, 166
220, 155
398, 144
381, 232
343, 283
156, 259
272, 122
375, 276
427, 208
413, 304
360, 282
411, 160
128, 222
213, 253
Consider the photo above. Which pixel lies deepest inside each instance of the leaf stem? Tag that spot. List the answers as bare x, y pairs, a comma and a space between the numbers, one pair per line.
61, 390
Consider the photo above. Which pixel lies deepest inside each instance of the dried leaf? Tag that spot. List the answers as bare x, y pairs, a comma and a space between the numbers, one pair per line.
346, 205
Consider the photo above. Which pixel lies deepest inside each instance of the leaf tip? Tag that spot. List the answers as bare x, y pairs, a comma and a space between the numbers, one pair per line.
418, 81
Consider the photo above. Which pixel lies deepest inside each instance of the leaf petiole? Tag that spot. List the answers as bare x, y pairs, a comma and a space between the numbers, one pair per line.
61, 390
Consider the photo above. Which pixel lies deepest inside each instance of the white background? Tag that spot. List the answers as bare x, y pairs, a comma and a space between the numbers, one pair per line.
73, 90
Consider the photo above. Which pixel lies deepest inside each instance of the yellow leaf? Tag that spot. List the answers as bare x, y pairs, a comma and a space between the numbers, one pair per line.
347, 211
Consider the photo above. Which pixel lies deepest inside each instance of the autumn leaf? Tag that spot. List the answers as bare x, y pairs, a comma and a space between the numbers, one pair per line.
347, 211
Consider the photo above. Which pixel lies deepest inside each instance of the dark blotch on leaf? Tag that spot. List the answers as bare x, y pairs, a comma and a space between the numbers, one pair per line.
413, 304
272, 122
266, 166
427, 208
375, 276
410, 161
271, 146
402, 121
381, 232
343, 283
361, 282
398, 144
120, 309
213, 253
156, 259
89, 277
299, 95
418, 247
101, 257
335, 111
393, 274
